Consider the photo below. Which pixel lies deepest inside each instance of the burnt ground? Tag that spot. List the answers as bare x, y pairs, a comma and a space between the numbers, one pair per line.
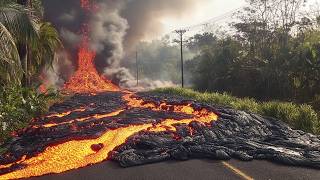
235, 135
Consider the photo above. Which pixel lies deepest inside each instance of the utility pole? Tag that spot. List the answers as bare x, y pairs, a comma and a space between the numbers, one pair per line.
181, 33
137, 68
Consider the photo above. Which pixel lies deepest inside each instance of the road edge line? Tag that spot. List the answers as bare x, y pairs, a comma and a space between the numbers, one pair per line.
237, 171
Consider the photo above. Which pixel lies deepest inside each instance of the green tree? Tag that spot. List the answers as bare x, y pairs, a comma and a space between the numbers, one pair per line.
35, 41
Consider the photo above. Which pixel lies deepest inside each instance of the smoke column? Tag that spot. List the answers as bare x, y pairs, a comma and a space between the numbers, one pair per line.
116, 27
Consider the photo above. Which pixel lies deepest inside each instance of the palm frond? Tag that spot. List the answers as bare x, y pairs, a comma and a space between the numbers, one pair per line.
49, 42
10, 66
37, 8
19, 20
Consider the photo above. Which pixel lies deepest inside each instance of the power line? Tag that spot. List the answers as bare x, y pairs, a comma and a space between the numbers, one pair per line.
212, 20
209, 22
215, 19
181, 33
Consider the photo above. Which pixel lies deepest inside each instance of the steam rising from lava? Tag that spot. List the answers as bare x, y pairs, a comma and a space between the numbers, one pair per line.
116, 27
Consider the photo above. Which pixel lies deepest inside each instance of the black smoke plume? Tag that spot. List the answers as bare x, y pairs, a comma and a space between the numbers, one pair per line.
116, 26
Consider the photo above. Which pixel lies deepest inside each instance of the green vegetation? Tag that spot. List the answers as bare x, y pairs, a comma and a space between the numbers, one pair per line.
19, 105
27, 45
270, 52
273, 54
301, 117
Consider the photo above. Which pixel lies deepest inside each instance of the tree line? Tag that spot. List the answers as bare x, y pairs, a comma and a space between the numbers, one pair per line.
274, 54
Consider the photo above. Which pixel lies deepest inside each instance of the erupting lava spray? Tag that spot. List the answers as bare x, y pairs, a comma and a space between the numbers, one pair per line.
86, 78
77, 153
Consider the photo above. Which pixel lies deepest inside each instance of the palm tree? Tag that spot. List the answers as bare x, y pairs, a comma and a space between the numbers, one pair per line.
44, 50
10, 66
34, 40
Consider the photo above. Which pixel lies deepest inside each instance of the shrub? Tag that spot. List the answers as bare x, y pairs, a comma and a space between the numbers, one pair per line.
19, 105
302, 117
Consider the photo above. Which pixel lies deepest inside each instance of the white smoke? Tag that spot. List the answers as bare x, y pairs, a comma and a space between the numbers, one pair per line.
61, 70
115, 28
107, 31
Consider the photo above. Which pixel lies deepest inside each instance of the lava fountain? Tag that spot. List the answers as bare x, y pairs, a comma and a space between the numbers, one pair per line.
63, 155
86, 79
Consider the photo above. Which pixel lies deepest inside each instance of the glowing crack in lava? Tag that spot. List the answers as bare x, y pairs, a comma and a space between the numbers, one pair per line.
75, 153
79, 153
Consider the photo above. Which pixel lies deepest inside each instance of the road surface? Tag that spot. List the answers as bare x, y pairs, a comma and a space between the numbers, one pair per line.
189, 170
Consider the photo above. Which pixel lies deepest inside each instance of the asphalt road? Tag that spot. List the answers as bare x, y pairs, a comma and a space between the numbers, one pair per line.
189, 170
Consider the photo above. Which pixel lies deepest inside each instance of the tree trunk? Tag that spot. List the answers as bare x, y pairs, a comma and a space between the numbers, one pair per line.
22, 48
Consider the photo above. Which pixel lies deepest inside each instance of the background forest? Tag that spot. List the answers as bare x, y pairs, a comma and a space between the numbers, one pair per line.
273, 53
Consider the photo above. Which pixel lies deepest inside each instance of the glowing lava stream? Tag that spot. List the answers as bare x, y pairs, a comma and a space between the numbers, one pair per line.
78, 153
65, 113
96, 117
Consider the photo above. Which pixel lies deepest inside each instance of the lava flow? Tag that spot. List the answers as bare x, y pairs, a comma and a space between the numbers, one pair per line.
79, 153
66, 155
86, 79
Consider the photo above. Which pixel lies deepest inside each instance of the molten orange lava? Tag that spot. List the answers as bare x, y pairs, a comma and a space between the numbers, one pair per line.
96, 117
78, 153
86, 79
59, 115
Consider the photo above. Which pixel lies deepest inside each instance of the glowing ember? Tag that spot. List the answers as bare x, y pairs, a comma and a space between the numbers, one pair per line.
43, 88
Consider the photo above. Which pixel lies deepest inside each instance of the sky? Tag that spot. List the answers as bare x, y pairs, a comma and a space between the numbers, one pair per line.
203, 11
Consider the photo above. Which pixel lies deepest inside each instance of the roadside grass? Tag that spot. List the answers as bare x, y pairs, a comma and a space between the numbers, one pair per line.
301, 117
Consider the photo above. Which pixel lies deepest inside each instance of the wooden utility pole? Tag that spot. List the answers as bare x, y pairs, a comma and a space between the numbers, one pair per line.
181, 33
137, 68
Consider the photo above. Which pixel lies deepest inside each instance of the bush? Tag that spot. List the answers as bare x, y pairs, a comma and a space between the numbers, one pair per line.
19, 105
302, 117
